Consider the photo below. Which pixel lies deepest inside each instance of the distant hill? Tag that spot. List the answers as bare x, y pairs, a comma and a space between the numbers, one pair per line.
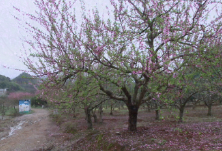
26, 81
6, 82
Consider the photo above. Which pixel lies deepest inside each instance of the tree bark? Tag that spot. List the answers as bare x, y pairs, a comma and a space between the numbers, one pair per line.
15, 111
101, 113
132, 122
111, 111
181, 114
157, 114
94, 116
209, 110
88, 118
74, 111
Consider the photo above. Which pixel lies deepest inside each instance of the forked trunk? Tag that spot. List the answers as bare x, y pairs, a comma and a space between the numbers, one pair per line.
133, 112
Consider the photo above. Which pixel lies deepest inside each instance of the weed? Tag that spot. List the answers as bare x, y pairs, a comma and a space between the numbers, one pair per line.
153, 139
110, 146
178, 129
162, 142
57, 119
69, 128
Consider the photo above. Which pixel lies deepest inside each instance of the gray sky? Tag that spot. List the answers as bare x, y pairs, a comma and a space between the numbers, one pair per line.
10, 43
10, 37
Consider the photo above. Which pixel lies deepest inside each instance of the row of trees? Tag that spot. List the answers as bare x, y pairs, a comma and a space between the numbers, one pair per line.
145, 50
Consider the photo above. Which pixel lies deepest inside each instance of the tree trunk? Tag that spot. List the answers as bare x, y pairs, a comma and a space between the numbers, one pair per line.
157, 114
3, 111
181, 114
209, 110
15, 111
88, 118
94, 116
194, 105
111, 111
133, 112
74, 111
101, 113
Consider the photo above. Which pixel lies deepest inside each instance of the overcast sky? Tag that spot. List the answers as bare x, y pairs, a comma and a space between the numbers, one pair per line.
10, 37
10, 43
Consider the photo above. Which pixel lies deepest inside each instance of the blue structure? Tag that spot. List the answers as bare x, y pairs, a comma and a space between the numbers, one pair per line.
24, 106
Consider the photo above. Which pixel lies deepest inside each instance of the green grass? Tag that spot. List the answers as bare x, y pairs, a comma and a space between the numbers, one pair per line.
30, 112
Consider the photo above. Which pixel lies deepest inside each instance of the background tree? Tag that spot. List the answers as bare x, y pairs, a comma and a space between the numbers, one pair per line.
7, 83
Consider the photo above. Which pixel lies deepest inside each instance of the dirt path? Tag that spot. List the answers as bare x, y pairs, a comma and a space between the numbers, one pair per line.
29, 133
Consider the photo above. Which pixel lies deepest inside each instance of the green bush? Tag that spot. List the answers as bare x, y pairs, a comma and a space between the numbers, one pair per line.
38, 102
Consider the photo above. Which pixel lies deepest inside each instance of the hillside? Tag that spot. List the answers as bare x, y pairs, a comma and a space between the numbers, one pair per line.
26, 81
6, 82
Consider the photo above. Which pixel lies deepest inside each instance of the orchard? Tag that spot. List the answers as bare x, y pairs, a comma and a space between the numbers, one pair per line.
141, 51
163, 53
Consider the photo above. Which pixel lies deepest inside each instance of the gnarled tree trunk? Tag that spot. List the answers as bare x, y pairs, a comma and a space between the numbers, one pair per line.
132, 122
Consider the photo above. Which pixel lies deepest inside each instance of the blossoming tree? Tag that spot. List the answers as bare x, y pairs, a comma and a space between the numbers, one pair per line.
138, 42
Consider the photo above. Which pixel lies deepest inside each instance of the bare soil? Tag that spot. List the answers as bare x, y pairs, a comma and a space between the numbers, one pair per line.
31, 132
42, 132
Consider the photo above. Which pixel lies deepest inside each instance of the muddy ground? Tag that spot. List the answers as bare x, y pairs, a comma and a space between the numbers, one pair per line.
28, 132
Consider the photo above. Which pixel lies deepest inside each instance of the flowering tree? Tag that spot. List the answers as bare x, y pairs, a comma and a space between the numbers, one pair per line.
143, 40
14, 97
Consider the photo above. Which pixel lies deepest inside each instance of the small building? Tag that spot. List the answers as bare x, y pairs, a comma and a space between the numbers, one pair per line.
3, 92
24, 106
